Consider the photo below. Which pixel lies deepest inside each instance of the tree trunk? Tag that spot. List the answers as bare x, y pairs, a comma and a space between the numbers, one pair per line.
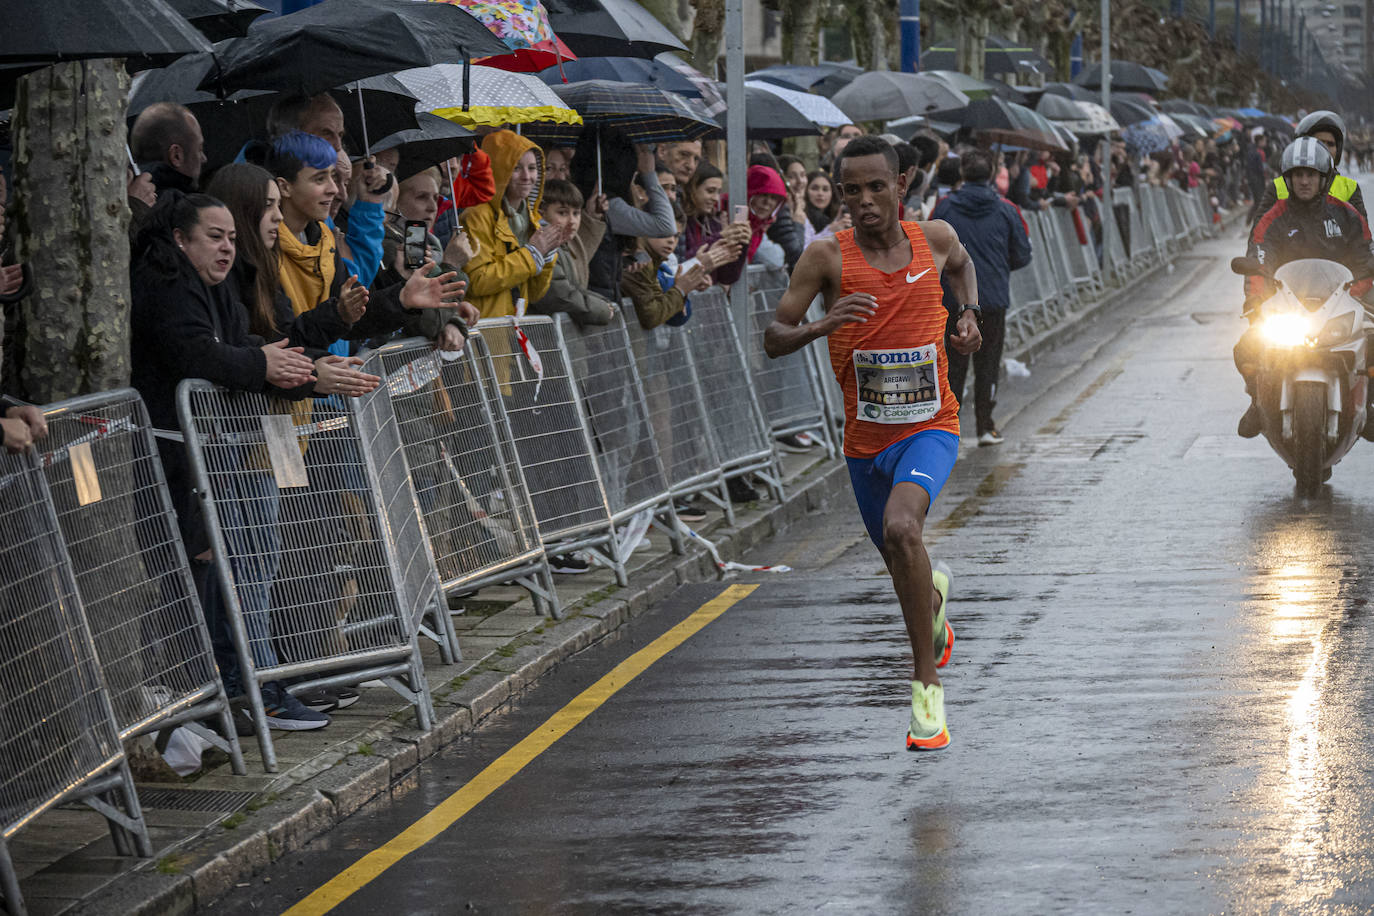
708, 29
666, 12
800, 31
977, 45
876, 27
72, 219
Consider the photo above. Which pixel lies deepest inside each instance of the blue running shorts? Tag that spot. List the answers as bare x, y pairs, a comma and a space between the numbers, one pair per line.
925, 458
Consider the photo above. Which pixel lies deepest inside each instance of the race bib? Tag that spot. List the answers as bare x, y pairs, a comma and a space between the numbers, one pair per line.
897, 386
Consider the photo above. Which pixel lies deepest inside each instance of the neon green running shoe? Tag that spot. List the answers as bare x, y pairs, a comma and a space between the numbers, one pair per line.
928, 731
944, 633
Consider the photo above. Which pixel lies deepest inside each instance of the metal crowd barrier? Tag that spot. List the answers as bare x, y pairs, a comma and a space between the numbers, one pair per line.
677, 412
116, 516
1065, 272
788, 387
617, 411
458, 446
60, 742
326, 572
728, 394
531, 378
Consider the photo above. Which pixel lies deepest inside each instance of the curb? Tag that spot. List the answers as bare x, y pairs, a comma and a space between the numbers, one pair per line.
194, 875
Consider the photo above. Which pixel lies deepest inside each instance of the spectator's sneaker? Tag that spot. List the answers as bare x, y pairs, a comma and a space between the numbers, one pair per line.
346, 697
990, 437
741, 491
1252, 423
287, 713
798, 443
928, 731
569, 564
944, 633
689, 511
328, 699
320, 699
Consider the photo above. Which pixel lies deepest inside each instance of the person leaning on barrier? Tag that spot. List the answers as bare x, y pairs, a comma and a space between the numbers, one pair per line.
515, 248
1306, 223
254, 200
564, 209
312, 270
719, 245
661, 297
623, 190
1328, 129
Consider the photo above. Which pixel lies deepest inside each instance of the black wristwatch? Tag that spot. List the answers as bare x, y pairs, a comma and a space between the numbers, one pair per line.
976, 310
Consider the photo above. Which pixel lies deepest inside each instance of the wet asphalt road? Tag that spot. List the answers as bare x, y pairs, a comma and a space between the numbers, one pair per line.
1158, 697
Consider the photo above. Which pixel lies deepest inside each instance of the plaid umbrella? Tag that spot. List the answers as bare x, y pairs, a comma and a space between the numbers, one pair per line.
642, 114
663, 72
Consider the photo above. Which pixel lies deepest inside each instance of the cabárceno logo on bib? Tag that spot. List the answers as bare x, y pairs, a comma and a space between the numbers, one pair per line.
898, 385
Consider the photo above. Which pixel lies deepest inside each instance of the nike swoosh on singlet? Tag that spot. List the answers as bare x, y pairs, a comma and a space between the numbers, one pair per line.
911, 279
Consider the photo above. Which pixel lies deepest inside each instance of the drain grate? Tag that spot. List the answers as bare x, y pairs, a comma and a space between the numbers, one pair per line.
193, 799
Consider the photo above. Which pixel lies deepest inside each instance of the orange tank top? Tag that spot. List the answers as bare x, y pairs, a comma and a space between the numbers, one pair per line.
892, 367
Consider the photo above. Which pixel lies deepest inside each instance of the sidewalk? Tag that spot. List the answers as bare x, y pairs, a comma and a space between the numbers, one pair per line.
215, 830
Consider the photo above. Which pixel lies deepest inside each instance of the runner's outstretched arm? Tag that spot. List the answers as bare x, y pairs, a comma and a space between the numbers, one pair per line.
816, 273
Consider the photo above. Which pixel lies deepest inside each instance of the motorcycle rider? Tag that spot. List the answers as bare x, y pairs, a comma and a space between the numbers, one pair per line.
1307, 222
1328, 128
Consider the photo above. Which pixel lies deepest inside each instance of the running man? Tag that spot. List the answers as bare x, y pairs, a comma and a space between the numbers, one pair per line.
884, 310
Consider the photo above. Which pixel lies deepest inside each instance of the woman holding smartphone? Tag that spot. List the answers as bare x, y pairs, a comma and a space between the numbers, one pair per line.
707, 236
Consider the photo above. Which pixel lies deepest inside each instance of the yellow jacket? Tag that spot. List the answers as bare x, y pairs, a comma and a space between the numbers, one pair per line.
503, 269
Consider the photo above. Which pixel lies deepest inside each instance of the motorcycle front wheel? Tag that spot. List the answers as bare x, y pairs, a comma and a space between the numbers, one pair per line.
1309, 436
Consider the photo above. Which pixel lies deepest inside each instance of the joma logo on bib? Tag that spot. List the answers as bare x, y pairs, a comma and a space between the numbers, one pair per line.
893, 357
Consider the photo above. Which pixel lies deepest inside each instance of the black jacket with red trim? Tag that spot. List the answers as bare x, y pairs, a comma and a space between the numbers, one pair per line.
1332, 230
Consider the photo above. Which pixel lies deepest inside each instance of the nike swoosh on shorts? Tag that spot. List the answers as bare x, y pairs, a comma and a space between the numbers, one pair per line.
911, 279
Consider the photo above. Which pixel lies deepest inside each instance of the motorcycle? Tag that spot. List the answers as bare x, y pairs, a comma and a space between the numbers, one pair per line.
1313, 359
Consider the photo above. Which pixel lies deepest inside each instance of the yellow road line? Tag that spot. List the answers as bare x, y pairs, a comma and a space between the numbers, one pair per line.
499, 771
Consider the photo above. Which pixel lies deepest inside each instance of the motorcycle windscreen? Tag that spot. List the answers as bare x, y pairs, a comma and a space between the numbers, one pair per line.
1313, 280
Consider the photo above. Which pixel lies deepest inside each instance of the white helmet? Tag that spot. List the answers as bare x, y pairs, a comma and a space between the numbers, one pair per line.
1306, 153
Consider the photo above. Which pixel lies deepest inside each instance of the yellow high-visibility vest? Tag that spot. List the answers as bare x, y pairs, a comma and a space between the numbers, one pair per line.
1342, 188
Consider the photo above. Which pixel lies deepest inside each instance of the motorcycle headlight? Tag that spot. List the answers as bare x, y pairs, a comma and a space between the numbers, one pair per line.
1286, 329
1338, 329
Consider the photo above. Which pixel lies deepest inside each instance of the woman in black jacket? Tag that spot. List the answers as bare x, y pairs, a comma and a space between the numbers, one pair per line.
253, 199
186, 323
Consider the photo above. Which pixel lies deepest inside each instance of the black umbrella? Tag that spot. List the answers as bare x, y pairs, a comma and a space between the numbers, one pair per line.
219, 19
622, 70
339, 41
1072, 91
1186, 106
229, 123
1128, 112
995, 120
824, 79
147, 32
1127, 75
771, 117
435, 141
642, 114
610, 28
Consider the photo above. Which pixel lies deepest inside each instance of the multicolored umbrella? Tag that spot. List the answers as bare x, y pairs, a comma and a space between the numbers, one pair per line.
495, 98
523, 26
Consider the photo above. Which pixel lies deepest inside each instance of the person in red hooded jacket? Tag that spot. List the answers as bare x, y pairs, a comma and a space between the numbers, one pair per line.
767, 216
